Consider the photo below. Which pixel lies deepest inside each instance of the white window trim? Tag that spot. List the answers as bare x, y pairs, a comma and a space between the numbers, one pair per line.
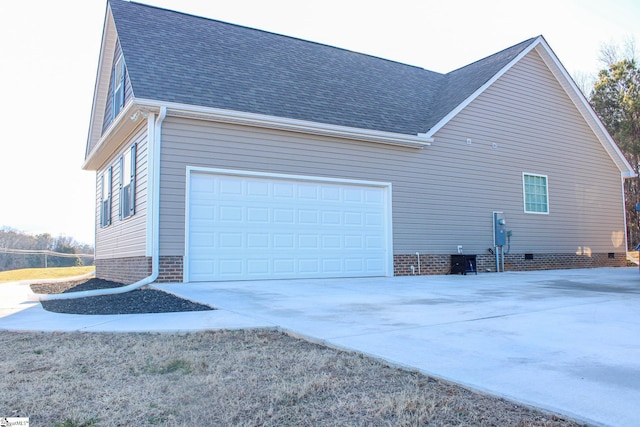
524, 193
128, 182
118, 86
106, 184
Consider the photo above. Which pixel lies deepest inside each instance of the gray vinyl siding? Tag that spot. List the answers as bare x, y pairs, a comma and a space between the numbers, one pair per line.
443, 195
125, 237
537, 130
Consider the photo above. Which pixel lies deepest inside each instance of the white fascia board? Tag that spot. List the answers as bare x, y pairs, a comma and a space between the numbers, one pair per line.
582, 104
125, 121
103, 73
431, 132
102, 150
294, 125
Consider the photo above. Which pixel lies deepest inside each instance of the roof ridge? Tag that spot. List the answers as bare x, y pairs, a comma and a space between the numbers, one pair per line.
299, 39
523, 43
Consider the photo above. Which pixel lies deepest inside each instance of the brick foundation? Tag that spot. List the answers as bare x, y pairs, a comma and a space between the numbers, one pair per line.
123, 270
441, 264
171, 268
130, 270
429, 264
563, 261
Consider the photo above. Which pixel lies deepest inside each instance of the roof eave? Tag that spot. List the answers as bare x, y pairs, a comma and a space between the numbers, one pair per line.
109, 37
288, 124
572, 91
585, 109
120, 128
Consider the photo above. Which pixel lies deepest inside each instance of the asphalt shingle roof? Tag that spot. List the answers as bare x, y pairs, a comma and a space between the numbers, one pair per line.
176, 57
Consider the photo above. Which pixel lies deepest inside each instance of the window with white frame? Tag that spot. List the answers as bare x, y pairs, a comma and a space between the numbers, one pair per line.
118, 86
128, 183
105, 197
536, 193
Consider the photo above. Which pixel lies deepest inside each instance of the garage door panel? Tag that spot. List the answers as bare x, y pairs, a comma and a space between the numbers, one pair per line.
332, 265
283, 216
308, 217
283, 267
230, 213
308, 266
308, 241
257, 189
228, 186
258, 266
331, 218
258, 215
258, 240
231, 266
374, 242
251, 227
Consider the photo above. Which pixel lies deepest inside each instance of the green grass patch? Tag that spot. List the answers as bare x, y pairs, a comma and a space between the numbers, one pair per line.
175, 365
74, 423
44, 273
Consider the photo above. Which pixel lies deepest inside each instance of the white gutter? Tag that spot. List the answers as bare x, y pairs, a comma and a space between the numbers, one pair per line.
155, 253
295, 125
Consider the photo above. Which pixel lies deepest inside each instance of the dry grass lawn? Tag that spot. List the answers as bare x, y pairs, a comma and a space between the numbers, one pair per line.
44, 273
227, 378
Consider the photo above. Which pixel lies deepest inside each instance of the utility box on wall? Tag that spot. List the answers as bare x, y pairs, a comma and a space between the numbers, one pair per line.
499, 229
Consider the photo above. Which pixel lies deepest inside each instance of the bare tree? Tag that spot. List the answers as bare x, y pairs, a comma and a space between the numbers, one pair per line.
612, 53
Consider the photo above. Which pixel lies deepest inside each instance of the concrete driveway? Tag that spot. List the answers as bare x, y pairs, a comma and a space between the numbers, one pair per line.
567, 341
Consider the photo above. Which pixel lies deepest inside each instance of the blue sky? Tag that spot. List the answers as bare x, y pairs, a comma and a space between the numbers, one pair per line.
50, 55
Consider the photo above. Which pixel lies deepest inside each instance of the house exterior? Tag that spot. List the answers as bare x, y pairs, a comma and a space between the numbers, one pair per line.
228, 153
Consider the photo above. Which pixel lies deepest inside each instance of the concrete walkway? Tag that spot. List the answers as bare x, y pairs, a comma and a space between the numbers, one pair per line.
567, 341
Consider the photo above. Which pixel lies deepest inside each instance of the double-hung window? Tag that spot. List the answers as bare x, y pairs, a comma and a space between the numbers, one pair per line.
118, 86
105, 197
536, 193
128, 183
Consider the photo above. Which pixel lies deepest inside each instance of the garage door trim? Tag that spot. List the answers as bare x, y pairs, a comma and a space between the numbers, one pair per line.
388, 268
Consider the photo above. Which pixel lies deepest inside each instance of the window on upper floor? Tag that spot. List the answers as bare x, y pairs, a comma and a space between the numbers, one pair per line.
536, 193
128, 182
105, 197
118, 85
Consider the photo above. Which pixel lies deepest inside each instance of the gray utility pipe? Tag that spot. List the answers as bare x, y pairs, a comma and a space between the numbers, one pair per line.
154, 154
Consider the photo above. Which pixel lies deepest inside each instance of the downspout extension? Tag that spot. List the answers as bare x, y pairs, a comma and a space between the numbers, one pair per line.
155, 255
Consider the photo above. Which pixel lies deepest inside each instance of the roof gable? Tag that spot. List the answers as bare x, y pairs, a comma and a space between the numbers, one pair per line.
461, 84
219, 65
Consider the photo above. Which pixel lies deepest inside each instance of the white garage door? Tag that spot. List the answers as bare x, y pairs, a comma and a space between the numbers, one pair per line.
249, 227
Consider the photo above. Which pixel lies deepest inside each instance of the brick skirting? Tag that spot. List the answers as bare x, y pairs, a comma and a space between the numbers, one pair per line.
441, 264
130, 270
171, 268
123, 270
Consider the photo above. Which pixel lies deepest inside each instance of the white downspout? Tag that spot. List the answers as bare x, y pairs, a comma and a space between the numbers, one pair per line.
155, 212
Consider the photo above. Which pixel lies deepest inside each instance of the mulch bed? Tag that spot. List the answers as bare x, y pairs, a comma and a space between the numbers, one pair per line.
139, 301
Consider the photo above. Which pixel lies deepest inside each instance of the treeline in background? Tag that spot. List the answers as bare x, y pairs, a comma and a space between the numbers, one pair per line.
22, 250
